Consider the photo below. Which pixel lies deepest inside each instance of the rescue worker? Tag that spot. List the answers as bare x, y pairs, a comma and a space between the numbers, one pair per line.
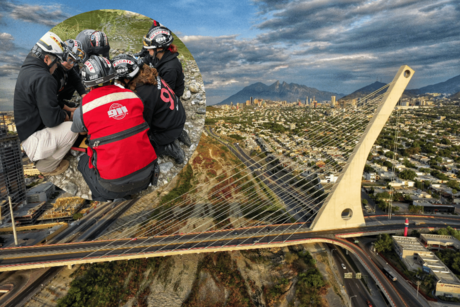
144, 52
163, 57
94, 43
43, 126
68, 74
120, 160
163, 110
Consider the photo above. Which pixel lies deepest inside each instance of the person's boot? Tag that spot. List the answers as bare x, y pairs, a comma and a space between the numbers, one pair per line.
173, 150
62, 167
184, 138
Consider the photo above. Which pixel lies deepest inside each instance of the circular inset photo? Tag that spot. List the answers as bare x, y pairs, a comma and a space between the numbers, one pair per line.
123, 111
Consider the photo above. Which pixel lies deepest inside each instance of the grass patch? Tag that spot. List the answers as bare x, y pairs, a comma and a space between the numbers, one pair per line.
114, 23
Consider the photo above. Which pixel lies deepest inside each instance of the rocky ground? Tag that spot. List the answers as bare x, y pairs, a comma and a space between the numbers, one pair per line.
194, 102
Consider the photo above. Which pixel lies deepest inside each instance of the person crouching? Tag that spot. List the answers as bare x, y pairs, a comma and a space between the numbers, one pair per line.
163, 110
120, 160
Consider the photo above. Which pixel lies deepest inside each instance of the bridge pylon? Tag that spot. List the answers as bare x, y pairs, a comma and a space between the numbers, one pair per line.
342, 208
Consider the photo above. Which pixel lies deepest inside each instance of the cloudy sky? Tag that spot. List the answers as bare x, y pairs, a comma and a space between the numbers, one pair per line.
337, 46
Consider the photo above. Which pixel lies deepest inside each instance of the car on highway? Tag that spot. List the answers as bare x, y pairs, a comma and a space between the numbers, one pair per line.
255, 241
343, 266
133, 239
369, 304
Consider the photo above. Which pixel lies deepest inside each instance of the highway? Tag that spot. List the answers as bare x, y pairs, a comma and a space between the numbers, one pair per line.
18, 258
355, 287
403, 287
89, 227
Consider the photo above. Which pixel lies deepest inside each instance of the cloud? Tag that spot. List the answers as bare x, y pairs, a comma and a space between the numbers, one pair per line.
336, 46
46, 15
6, 42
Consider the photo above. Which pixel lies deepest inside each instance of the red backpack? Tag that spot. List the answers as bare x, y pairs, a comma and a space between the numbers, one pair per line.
118, 144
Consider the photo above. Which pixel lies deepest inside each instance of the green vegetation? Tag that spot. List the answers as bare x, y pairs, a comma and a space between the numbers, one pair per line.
77, 216
308, 287
407, 174
384, 243
184, 185
177, 194
110, 283
415, 209
224, 271
210, 121
451, 258
449, 231
236, 137
113, 23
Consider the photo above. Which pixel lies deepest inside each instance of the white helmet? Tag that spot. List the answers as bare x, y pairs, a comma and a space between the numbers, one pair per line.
50, 43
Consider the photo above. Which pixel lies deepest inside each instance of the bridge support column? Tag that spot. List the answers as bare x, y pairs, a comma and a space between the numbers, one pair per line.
342, 208
70, 266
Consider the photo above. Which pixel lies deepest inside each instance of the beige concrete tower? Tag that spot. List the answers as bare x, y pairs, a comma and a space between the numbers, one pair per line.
342, 208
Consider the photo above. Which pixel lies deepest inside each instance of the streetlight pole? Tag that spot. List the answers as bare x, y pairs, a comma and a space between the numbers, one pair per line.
12, 222
418, 282
351, 298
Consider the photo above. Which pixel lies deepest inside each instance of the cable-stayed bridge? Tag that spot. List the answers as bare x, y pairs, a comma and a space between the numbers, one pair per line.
298, 211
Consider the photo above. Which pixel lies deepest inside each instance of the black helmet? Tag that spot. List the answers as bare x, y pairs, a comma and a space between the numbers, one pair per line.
97, 70
126, 66
158, 37
74, 50
98, 39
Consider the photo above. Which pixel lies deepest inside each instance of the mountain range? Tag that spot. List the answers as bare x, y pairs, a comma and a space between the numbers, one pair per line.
293, 92
279, 91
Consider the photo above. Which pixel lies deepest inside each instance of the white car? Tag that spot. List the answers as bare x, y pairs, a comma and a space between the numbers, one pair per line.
343, 266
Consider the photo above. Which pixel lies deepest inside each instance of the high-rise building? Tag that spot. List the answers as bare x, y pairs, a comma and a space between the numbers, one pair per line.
333, 101
11, 172
252, 101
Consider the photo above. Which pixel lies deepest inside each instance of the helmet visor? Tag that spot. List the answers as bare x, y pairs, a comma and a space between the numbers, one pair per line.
148, 43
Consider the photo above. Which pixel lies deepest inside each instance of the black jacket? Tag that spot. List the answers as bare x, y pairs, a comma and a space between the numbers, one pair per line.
170, 69
68, 82
165, 124
85, 38
35, 101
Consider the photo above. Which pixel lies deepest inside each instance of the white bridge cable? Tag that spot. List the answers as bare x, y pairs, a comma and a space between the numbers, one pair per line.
312, 200
218, 183
218, 191
273, 227
290, 193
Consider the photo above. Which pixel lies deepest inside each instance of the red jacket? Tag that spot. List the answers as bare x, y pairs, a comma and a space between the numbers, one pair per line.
118, 144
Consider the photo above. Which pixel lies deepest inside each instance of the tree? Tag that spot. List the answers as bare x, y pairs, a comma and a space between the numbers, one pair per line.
390, 154
407, 174
369, 157
415, 209
439, 175
453, 184
368, 169
364, 202
419, 185
446, 141
384, 243
388, 164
